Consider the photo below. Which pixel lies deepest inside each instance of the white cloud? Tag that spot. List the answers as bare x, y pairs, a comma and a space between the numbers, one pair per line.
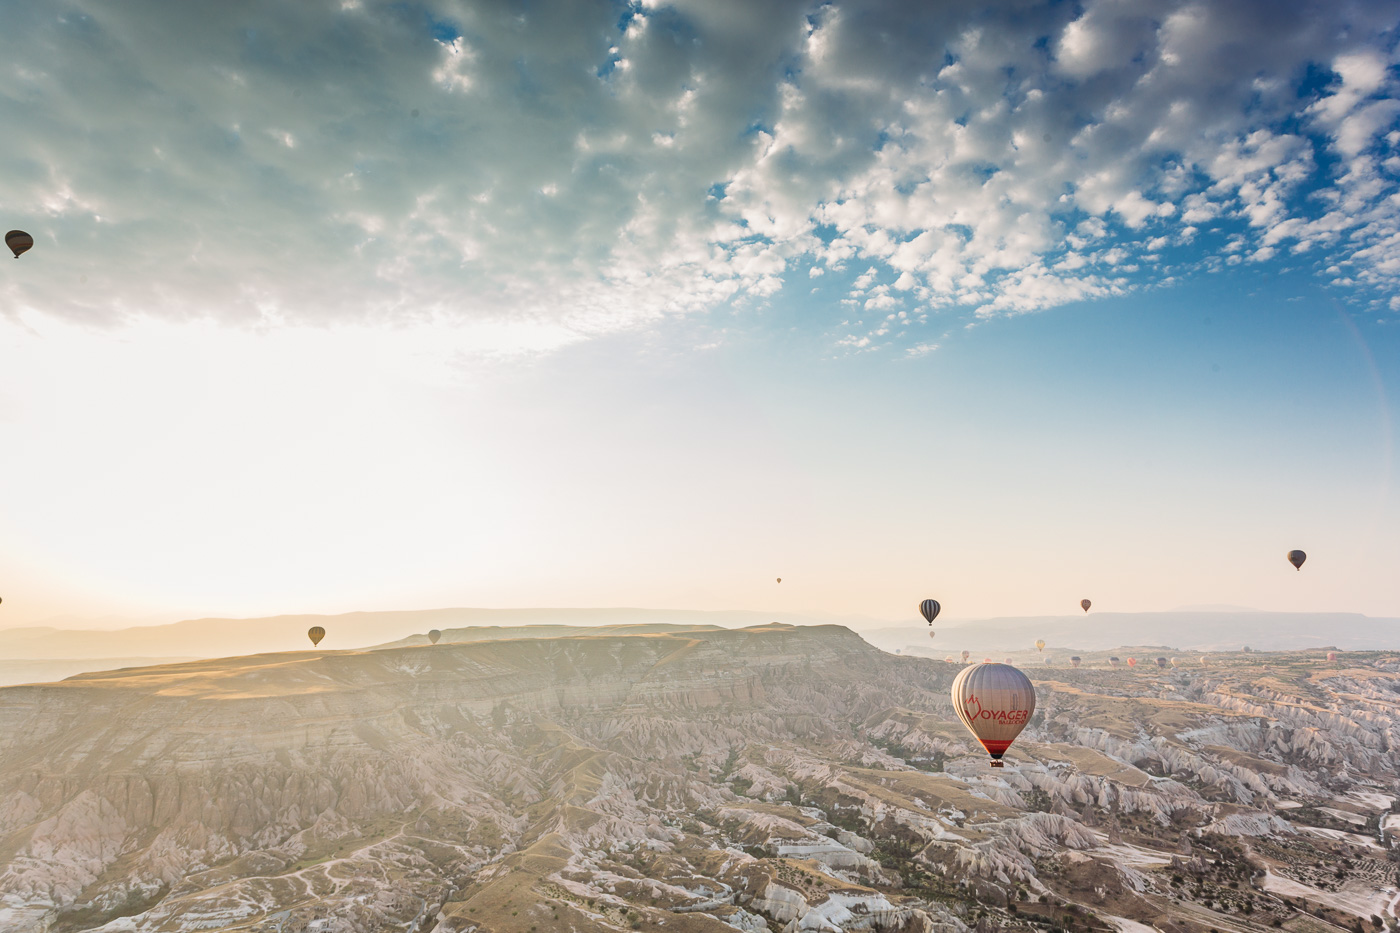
322, 161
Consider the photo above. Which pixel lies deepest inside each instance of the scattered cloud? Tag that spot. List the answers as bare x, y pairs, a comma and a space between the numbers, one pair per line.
573, 171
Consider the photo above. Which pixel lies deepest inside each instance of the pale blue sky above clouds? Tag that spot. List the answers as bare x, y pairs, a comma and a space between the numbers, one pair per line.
357, 305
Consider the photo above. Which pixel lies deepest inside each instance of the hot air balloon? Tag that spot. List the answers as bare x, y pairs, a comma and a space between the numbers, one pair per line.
1085, 604
19, 242
1295, 558
929, 608
1040, 645
949, 659
315, 633
1132, 662
1048, 659
1076, 661
1204, 660
994, 701
1162, 663
1007, 660
1246, 649
1112, 662
931, 633
1174, 664
986, 660
434, 635
966, 655
1331, 655
780, 579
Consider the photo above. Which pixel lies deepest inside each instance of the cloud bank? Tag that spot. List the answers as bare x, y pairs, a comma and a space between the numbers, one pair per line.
590, 166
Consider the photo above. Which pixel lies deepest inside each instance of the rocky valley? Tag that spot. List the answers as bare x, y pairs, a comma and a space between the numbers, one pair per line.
774, 778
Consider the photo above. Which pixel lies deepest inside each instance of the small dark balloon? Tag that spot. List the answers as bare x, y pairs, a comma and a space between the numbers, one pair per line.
1085, 604
315, 633
434, 635
19, 242
780, 579
1296, 558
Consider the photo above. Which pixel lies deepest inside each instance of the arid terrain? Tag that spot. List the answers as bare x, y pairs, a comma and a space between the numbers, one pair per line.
772, 778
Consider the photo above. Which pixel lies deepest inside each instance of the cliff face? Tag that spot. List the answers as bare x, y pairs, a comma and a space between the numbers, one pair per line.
612, 781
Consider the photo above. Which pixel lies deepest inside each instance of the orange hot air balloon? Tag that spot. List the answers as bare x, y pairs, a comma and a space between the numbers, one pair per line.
1331, 655
434, 635
1085, 604
1076, 661
966, 655
1132, 662
994, 701
19, 242
1296, 558
315, 633
1040, 645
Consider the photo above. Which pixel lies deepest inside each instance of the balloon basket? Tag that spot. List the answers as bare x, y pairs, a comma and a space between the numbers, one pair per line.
998, 764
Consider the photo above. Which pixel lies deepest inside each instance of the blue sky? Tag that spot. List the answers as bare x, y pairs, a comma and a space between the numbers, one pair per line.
353, 305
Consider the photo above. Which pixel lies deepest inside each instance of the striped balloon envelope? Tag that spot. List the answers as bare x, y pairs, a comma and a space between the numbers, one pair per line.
994, 701
315, 633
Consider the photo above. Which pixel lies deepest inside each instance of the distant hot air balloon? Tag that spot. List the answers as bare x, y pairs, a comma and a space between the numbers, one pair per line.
897, 651
1331, 655
949, 659
966, 655
1112, 662
1295, 558
1174, 664
1006, 660
1204, 660
1085, 604
1076, 660
994, 701
1162, 663
986, 660
931, 633
1132, 662
1040, 645
929, 608
315, 633
780, 579
1246, 649
19, 242
1047, 659
434, 635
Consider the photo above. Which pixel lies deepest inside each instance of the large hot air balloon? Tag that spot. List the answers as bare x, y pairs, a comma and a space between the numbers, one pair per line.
929, 608
1132, 662
1112, 662
19, 242
1295, 558
966, 655
315, 633
994, 701
434, 635
1040, 645
1162, 662
1076, 660
1085, 604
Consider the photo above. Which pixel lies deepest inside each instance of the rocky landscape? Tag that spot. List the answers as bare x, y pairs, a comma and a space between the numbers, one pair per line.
792, 779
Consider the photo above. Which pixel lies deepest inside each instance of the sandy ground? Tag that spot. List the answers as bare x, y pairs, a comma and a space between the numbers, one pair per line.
1362, 903
1133, 855
1352, 838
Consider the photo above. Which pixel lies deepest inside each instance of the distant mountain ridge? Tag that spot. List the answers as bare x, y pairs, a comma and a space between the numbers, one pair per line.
1186, 630
214, 637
